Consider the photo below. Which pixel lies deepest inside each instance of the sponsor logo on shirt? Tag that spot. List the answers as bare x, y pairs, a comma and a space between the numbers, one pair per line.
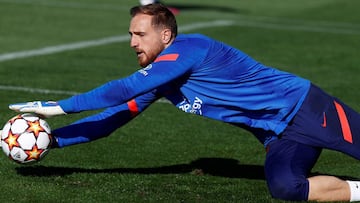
166, 57
194, 108
144, 70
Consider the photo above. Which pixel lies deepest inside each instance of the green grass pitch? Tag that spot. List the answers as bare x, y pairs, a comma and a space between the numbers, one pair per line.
164, 155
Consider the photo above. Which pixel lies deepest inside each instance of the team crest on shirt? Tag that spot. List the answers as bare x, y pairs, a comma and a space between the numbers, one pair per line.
193, 108
144, 71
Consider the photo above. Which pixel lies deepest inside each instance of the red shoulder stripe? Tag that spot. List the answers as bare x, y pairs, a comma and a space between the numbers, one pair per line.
167, 57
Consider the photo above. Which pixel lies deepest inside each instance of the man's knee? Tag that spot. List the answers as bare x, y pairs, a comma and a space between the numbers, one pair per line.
296, 190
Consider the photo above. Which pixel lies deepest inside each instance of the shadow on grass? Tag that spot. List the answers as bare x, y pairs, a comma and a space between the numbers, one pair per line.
210, 166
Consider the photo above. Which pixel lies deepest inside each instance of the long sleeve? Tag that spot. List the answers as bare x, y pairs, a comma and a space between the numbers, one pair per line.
102, 124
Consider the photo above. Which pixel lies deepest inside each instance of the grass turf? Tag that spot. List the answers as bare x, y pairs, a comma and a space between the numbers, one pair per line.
165, 155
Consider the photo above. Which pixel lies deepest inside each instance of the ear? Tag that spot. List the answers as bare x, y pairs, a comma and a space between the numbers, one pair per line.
166, 35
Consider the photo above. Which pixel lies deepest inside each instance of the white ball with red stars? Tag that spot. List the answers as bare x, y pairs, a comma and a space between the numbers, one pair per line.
26, 138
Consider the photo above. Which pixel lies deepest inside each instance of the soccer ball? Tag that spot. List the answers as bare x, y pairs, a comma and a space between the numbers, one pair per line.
26, 138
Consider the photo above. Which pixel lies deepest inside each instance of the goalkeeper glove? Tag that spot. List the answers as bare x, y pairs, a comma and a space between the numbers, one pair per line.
45, 109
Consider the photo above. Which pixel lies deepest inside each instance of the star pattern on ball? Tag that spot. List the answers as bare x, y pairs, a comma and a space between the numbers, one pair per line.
35, 127
34, 153
24, 138
11, 140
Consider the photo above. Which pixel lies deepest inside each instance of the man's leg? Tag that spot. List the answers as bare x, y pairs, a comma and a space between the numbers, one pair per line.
328, 188
326, 122
287, 168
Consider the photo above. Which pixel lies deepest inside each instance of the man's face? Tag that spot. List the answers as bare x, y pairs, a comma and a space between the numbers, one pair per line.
145, 39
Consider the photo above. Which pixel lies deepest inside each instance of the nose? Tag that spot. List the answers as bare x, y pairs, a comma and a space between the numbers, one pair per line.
133, 42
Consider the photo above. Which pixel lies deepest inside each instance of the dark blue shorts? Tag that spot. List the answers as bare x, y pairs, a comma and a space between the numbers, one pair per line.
323, 121
326, 122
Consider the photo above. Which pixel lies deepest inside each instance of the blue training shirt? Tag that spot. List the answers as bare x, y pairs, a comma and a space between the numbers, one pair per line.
201, 76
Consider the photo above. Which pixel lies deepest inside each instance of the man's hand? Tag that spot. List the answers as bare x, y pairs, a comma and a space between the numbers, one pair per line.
44, 109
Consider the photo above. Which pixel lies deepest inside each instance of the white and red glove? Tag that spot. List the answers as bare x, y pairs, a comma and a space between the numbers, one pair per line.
44, 109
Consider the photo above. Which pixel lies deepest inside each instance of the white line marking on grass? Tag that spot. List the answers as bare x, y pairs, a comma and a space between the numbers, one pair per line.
85, 44
98, 42
62, 48
123, 38
36, 90
217, 23
71, 5
48, 91
306, 28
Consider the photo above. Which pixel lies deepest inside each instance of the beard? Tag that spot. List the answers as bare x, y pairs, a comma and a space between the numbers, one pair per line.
144, 59
147, 57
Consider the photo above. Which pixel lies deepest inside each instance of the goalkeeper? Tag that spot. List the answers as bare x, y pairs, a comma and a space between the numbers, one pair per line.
292, 117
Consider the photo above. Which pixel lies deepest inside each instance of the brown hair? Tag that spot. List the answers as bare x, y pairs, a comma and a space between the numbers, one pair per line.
162, 16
